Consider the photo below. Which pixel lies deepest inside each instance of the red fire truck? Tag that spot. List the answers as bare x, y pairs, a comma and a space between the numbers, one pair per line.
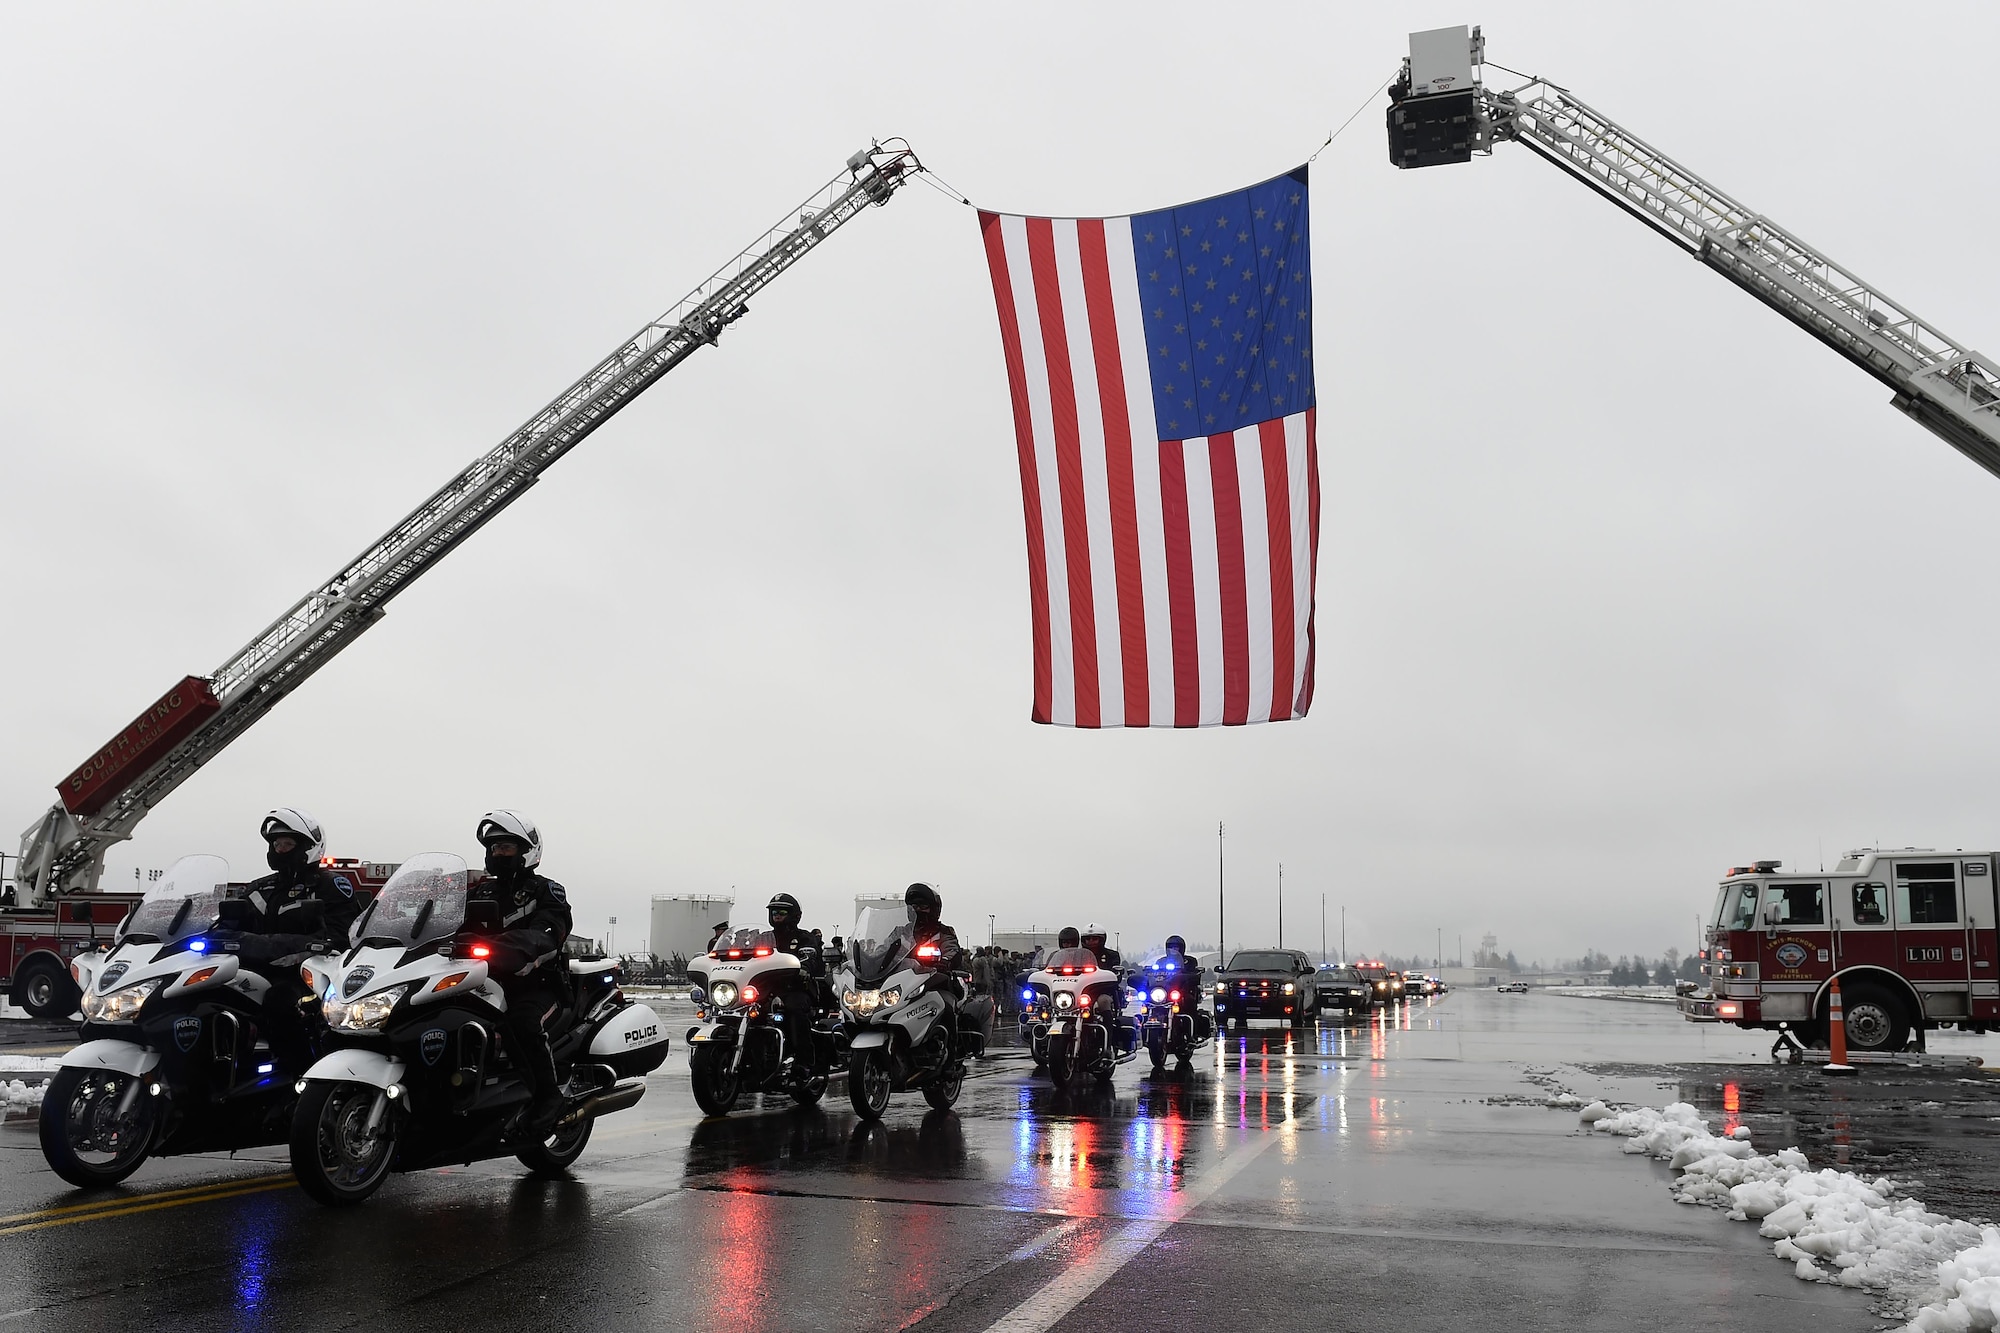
37, 943
1910, 933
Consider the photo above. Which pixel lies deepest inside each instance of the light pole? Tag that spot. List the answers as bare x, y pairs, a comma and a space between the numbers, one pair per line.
1281, 904
1322, 930
1221, 919
1343, 934
1439, 964
989, 930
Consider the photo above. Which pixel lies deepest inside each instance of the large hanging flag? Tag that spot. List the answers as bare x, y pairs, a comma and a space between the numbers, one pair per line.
1161, 369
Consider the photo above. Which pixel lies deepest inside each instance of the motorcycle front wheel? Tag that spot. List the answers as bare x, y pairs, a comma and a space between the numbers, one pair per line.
1062, 1062
554, 1155
942, 1092
715, 1083
87, 1139
868, 1085
336, 1157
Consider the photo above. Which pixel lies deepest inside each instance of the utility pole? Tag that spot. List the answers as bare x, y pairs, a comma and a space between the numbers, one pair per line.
1221, 917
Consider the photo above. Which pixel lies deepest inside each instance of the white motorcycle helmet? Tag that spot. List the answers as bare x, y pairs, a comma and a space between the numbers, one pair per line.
286, 821
497, 824
1096, 932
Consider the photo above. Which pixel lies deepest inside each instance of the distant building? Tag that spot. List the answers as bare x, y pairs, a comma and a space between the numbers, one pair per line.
683, 925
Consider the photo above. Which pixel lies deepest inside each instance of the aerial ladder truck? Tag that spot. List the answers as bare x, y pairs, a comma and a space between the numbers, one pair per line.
1912, 958
54, 909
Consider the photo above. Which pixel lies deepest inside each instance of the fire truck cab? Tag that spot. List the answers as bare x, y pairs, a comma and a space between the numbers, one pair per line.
1910, 933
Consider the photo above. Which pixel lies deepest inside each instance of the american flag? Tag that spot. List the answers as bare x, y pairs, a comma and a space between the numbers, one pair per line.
1161, 370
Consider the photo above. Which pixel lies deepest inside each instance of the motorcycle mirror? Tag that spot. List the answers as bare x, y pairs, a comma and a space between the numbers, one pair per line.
481, 914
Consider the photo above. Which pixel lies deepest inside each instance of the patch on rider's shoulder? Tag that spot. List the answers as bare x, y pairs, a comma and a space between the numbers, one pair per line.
344, 884
557, 893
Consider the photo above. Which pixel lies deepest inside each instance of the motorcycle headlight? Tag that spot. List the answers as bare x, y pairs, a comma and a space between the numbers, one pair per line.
370, 1011
1289, 988
1064, 999
724, 994
120, 1006
862, 1002
892, 997
1218, 988
1159, 993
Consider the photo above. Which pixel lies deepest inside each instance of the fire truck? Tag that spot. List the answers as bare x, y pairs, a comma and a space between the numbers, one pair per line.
1909, 932
54, 908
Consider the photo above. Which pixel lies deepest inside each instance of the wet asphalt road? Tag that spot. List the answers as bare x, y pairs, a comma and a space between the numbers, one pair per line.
1395, 1172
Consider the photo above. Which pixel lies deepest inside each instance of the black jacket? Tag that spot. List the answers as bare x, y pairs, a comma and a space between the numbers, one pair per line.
806, 945
282, 907
951, 958
534, 917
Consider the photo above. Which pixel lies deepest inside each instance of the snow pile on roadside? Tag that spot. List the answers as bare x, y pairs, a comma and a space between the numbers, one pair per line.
1831, 1226
29, 1064
16, 1095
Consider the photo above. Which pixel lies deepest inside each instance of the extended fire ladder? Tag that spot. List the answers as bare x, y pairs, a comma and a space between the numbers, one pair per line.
64, 850
1442, 112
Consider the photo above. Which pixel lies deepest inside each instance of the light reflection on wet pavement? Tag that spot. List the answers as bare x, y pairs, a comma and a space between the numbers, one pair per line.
1410, 1168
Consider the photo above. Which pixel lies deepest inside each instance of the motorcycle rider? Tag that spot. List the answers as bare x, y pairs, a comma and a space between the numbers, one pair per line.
299, 903
535, 920
925, 908
1175, 967
802, 1003
1094, 937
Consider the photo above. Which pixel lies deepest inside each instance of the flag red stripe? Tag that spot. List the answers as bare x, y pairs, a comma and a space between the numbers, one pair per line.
1278, 519
1069, 468
1232, 578
1117, 467
1180, 585
1031, 488
1312, 582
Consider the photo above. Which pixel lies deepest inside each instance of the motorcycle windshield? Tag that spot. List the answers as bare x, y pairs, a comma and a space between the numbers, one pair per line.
423, 901
182, 903
749, 928
881, 936
1071, 962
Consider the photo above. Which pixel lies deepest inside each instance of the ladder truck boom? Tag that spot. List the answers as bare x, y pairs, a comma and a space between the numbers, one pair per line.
105, 799
1442, 112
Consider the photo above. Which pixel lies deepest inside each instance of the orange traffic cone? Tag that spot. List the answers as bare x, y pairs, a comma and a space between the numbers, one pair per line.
1836, 1026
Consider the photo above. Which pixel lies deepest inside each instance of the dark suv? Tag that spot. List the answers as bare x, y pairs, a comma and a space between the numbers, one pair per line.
1344, 988
1267, 983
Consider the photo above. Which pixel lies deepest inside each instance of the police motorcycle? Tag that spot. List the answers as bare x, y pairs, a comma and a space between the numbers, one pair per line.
1089, 1033
1174, 1023
744, 1040
907, 1024
1036, 1017
173, 1059
419, 1075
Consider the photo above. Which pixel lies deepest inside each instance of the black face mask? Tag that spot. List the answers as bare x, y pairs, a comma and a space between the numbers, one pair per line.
504, 867
283, 862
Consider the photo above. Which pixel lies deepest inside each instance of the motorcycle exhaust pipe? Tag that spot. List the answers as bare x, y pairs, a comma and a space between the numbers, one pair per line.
618, 1097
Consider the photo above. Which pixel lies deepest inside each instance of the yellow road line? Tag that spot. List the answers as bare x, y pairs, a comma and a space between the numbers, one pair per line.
159, 1196
266, 1187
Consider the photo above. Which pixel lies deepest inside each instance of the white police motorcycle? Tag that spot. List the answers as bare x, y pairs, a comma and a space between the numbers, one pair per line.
907, 1022
1089, 1034
422, 1076
173, 1058
744, 1040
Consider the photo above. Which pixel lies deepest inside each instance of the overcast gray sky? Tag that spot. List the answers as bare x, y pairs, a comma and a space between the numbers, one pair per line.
1622, 578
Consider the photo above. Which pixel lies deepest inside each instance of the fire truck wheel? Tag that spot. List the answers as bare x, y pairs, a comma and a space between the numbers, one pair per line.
46, 991
1875, 1019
